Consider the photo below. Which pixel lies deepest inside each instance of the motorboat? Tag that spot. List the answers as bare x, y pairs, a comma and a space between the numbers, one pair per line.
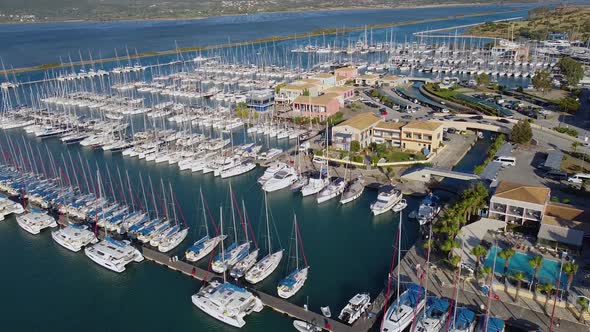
302, 326
270, 172
355, 308
387, 198
282, 179
429, 208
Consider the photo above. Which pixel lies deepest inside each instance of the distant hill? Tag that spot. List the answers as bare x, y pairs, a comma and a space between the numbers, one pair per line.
60, 10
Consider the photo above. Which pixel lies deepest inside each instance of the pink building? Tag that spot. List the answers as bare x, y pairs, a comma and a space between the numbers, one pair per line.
317, 107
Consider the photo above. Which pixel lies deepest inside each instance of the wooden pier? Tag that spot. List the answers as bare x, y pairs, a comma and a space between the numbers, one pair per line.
276, 303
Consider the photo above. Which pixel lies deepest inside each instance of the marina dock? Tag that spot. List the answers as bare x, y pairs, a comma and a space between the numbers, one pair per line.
276, 303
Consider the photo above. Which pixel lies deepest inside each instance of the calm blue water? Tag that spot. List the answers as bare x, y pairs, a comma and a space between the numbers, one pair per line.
548, 273
31, 44
349, 251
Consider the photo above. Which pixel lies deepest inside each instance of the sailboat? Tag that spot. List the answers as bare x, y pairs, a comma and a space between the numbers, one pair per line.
292, 283
225, 301
404, 309
240, 269
206, 244
174, 236
435, 315
464, 321
268, 263
353, 191
234, 253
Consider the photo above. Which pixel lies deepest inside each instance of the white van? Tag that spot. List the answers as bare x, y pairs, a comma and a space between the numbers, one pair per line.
579, 178
505, 161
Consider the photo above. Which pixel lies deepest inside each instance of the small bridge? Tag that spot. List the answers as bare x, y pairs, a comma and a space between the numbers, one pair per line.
424, 174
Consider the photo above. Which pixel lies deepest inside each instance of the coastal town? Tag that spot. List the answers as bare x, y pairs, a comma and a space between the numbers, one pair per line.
453, 167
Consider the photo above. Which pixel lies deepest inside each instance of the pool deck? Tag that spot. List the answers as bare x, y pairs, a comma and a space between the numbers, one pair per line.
440, 283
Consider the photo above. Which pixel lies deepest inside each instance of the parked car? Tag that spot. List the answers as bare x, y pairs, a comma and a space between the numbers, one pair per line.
383, 111
521, 325
555, 175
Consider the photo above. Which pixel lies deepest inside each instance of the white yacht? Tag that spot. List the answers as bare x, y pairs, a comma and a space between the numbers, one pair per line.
353, 191
264, 267
113, 254
270, 172
302, 326
241, 267
282, 179
334, 189
230, 256
402, 311
227, 302
35, 222
9, 207
435, 316
239, 169
74, 237
202, 247
291, 284
387, 198
315, 184
429, 208
355, 308
173, 240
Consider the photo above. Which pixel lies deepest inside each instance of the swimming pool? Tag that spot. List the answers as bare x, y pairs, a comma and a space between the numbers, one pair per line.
520, 262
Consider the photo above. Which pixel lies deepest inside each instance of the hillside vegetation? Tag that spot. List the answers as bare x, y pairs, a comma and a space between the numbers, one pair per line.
59, 10
574, 20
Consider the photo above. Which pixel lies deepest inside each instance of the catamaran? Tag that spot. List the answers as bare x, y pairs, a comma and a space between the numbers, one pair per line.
35, 222
388, 197
113, 254
292, 283
74, 237
227, 302
268, 263
355, 308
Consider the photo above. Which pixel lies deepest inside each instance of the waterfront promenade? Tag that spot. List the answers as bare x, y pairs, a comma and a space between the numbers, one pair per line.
440, 282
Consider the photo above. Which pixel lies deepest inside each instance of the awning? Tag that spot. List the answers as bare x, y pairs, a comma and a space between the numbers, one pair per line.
561, 234
554, 159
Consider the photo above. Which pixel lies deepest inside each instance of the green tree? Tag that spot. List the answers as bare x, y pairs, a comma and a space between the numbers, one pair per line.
572, 70
583, 303
479, 252
306, 92
486, 271
569, 104
448, 246
454, 261
518, 277
522, 133
548, 290
482, 80
374, 93
506, 255
570, 268
241, 110
542, 81
355, 146
536, 262
575, 146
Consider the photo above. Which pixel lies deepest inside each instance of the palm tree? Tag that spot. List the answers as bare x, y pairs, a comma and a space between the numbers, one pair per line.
454, 261
506, 255
570, 268
486, 271
583, 302
448, 247
548, 289
519, 277
478, 251
536, 263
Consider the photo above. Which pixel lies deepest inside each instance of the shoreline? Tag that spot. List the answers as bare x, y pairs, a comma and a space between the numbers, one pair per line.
314, 33
295, 10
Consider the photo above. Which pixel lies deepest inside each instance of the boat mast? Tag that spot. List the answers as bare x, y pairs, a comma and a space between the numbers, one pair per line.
233, 215
399, 253
222, 246
173, 206
296, 243
267, 222
204, 212
165, 203
245, 221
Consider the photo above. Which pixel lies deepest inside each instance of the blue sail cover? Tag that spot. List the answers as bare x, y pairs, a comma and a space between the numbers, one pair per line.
493, 325
289, 281
465, 318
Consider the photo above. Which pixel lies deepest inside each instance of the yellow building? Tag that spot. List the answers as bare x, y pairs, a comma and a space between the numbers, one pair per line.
358, 128
420, 135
